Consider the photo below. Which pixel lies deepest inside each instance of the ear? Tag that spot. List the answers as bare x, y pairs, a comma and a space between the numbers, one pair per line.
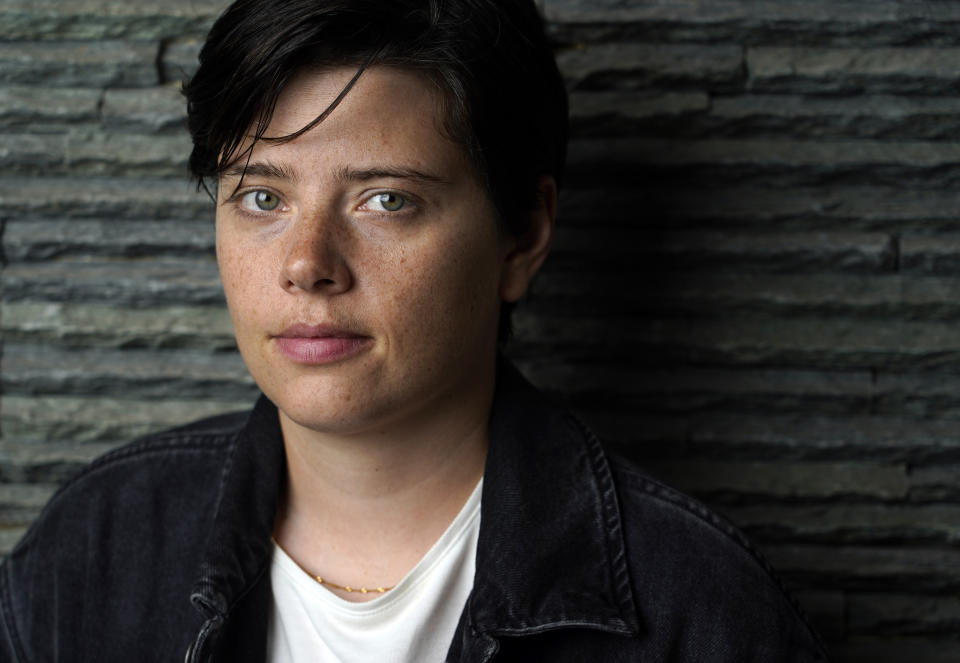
527, 252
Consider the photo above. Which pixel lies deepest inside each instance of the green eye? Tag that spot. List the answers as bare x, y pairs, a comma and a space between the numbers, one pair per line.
266, 201
390, 201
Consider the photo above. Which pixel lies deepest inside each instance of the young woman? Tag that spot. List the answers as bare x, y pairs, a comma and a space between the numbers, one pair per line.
385, 175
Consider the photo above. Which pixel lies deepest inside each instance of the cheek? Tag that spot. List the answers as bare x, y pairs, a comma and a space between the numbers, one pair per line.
443, 287
241, 281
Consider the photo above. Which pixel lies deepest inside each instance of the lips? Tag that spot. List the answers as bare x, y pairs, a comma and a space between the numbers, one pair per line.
319, 344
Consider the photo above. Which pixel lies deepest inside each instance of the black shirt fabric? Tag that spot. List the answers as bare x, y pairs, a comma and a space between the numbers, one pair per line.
160, 551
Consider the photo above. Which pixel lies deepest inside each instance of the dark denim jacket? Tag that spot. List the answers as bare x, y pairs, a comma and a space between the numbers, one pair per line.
160, 551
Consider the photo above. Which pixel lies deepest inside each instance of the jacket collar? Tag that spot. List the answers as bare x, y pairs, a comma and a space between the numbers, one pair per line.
551, 550
238, 545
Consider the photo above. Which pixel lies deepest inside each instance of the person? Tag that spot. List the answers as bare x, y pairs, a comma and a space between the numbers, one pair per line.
385, 176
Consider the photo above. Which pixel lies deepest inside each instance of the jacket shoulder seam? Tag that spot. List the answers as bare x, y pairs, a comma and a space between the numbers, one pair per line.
165, 442
198, 443
181, 441
663, 493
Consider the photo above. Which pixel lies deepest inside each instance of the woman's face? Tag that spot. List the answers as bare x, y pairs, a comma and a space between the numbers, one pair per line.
362, 262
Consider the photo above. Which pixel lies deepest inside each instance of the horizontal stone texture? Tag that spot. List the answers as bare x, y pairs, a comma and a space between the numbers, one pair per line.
49, 109
99, 198
639, 66
754, 289
912, 70
93, 20
84, 419
78, 64
95, 324
757, 22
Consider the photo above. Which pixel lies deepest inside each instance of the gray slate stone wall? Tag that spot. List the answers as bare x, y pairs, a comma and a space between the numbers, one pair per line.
755, 286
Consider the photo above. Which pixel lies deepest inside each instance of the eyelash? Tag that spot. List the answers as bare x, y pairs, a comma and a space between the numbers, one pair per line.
240, 197
408, 205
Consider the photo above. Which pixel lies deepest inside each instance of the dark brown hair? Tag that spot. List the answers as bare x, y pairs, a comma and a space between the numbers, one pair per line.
502, 96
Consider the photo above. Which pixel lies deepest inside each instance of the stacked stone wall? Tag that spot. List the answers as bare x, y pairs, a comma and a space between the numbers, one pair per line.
754, 290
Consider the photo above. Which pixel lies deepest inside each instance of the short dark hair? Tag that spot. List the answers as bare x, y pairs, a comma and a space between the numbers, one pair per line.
502, 96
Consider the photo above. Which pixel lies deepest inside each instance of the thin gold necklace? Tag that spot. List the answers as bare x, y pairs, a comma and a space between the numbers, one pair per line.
323, 581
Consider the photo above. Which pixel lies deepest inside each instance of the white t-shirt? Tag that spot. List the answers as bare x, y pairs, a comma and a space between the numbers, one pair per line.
412, 623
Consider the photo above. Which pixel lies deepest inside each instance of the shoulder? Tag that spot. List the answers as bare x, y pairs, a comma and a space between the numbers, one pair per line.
98, 543
699, 573
205, 436
140, 479
174, 460
647, 502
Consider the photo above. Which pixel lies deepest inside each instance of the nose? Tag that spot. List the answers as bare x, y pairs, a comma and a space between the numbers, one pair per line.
315, 261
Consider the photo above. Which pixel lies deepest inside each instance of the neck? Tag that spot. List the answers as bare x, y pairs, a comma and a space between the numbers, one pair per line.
363, 509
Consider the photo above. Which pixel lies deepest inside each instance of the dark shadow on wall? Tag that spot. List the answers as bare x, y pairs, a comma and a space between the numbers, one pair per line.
754, 293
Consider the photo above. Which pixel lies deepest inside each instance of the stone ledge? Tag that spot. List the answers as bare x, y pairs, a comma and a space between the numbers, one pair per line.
39, 109
763, 164
916, 70
96, 154
21, 503
827, 154
84, 420
784, 480
879, 437
102, 326
46, 463
632, 66
912, 614
700, 389
740, 252
833, 523
9, 538
135, 284
724, 339
756, 22
670, 206
44, 239
797, 14
628, 113
930, 254
593, 287
149, 110
861, 568
861, 116
95, 372
180, 59
795, 436
936, 482
919, 394
78, 64
105, 19
103, 198
886, 297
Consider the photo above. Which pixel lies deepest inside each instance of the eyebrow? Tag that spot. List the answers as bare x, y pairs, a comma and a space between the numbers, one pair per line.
346, 174
276, 171
260, 169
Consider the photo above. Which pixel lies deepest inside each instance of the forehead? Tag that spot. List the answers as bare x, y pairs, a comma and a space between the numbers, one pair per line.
311, 91
388, 113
